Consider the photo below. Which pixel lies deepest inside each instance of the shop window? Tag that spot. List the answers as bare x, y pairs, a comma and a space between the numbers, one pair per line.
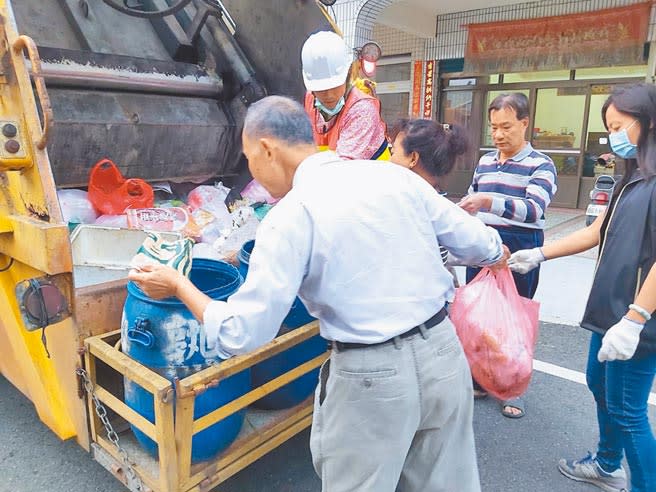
393, 79
487, 136
558, 119
597, 158
611, 72
566, 164
461, 82
457, 109
509, 78
558, 126
394, 106
393, 72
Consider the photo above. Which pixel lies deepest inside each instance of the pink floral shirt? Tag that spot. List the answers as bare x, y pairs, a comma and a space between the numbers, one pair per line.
363, 130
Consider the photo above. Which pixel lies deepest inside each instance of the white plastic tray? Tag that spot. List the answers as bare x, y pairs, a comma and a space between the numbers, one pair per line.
103, 254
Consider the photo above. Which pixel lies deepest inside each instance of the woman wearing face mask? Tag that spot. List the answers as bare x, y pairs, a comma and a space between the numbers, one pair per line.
344, 119
622, 357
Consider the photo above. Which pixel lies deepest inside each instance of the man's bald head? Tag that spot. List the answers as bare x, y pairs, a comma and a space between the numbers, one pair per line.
279, 118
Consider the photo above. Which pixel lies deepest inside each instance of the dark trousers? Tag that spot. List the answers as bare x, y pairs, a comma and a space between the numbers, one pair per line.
516, 239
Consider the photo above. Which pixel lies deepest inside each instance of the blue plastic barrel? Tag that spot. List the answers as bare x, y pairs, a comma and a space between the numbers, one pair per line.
164, 336
299, 389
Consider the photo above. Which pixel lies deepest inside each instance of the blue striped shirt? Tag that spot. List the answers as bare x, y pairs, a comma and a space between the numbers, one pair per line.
521, 188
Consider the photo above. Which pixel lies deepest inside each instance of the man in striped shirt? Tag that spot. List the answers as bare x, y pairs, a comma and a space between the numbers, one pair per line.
511, 190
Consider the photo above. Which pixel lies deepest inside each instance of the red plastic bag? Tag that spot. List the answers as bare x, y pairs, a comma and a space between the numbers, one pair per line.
498, 330
112, 194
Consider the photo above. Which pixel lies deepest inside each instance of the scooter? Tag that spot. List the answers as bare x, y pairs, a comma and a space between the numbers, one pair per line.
600, 197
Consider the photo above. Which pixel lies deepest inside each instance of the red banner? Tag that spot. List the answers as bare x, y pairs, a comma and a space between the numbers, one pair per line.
428, 88
417, 79
600, 38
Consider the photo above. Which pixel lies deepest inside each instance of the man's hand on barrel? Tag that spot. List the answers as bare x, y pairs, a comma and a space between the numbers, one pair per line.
157, 281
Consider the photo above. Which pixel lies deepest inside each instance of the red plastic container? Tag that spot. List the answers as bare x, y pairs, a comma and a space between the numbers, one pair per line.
112, 194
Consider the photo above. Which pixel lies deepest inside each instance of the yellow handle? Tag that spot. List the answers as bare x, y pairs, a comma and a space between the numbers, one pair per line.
27, 43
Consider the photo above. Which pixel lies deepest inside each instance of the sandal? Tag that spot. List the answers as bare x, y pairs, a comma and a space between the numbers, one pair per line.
479, 394
516, 403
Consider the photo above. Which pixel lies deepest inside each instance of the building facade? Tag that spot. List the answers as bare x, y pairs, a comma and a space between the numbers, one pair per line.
566, 56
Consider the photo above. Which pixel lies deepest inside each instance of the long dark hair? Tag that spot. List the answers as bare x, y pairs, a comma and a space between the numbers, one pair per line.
437, 144
639, 101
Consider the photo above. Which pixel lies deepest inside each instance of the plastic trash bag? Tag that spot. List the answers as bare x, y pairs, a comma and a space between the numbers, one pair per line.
498, 330
255, 192
120, 221
76, 207
209, 211
209, 198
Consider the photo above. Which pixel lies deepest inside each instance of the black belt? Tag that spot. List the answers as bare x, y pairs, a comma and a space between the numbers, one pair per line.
435, 320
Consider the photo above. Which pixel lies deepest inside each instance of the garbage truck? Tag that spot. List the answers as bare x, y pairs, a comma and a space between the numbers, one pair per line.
161, 87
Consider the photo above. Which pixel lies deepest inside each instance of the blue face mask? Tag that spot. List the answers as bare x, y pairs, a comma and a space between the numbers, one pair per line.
621, 145
330, 112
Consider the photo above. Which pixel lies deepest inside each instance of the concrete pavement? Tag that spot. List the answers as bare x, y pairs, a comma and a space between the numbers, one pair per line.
514, 455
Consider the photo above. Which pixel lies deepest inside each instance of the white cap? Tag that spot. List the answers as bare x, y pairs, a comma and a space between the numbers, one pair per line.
326, 61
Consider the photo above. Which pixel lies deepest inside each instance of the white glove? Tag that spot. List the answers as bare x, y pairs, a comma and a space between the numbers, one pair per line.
620, 341
525, 260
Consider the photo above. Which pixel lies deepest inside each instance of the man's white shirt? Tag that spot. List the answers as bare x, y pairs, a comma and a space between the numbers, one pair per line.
358, 241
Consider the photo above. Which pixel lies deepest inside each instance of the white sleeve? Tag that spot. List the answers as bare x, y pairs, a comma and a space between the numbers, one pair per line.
253, 315
464, 236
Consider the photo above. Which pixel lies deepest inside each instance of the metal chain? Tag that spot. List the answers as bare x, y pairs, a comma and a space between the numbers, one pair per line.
101, 411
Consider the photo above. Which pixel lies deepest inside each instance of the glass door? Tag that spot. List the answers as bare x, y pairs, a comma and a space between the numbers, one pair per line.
597, 156
461, 108
393, 78
557, 131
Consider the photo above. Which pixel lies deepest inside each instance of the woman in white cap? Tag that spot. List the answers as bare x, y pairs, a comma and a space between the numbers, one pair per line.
344, 119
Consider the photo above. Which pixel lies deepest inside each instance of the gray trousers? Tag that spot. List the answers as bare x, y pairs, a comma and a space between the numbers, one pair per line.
397, 417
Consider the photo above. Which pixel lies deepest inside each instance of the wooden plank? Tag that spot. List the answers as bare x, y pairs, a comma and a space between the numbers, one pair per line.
144, 377
239, 363
98, 307
94, 421
110, 337
168, 461
145, 477
244, 446
267, 446
126, 412
184, 419
254, 395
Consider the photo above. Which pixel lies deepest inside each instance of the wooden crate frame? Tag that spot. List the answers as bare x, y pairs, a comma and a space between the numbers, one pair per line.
174, 424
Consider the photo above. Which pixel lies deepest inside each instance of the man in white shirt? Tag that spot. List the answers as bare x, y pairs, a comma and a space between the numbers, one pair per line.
360, 243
